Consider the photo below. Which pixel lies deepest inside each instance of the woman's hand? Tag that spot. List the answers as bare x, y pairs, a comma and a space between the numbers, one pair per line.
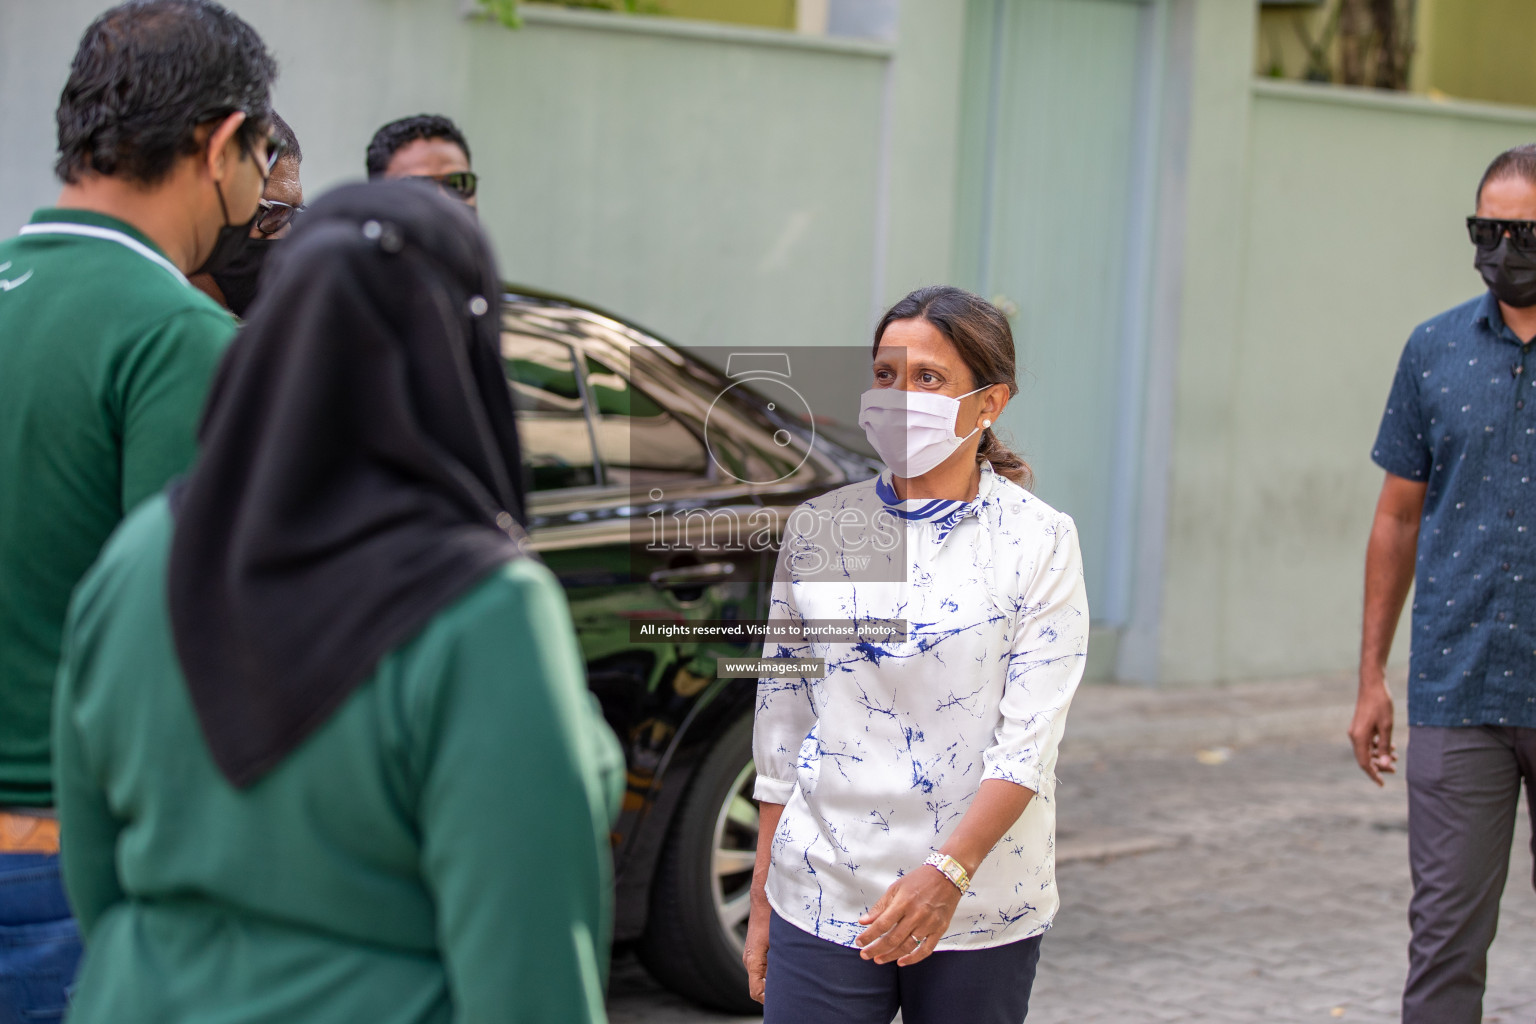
916, 906
755, 957
921, 904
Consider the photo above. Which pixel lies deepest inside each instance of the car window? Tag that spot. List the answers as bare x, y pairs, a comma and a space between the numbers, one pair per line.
639, 442
552, 423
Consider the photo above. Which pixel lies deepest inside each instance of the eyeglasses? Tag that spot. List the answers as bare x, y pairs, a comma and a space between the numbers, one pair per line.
272, 216
276, 147
1485, 233
460, 183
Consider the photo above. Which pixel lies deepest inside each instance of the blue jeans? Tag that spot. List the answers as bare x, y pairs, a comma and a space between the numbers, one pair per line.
813, 981
39, 945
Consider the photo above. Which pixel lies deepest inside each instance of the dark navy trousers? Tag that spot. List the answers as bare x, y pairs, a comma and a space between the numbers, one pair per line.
813, 981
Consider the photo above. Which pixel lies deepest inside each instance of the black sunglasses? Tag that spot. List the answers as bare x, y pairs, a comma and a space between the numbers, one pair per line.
460, 183
272, 216
1485, 233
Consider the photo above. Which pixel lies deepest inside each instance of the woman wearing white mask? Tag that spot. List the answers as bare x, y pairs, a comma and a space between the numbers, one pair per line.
905, 859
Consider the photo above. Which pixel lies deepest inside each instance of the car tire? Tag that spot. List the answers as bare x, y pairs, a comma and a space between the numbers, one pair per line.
692, 940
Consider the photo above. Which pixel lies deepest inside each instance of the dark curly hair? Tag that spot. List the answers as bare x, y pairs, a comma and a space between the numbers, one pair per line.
388, 140
981, 332
146, 74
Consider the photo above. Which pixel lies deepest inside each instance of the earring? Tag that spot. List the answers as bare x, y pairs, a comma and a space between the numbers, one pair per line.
985, 424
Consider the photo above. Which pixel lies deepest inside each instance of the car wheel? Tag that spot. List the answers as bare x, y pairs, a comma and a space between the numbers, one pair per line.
701, 893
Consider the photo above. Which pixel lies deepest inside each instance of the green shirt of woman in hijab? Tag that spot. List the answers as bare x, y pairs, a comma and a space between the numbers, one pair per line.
325, 752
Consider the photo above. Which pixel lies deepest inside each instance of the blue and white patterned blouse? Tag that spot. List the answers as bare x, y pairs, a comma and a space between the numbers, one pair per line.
877, 761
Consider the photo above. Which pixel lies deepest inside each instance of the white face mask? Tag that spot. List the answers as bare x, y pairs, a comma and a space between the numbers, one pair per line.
912, 431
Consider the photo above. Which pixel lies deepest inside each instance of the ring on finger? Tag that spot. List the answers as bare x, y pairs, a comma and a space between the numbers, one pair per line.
918, 940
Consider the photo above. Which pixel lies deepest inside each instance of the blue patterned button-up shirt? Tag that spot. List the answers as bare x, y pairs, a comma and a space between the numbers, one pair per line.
1462, 419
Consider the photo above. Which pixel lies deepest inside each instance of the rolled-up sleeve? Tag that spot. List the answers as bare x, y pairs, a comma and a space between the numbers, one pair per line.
1045, 665
786, 707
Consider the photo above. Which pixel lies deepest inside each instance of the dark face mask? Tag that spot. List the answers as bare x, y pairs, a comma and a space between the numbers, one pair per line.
230, 241
239, 278
1509, 273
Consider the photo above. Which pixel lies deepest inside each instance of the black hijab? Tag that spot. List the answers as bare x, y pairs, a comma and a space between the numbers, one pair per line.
359, 468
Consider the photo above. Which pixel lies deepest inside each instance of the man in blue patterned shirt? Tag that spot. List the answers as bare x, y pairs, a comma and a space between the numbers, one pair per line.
1456, 519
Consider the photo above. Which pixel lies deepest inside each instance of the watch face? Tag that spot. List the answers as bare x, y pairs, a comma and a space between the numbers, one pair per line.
785, 452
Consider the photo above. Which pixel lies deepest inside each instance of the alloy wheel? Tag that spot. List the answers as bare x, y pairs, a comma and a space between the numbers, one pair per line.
735, 851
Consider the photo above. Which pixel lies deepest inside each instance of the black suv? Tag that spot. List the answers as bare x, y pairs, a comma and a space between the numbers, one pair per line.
644, 460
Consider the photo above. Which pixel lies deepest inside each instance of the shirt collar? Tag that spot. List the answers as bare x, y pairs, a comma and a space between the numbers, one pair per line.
1487, 313
89, 224
55, 215
934, 509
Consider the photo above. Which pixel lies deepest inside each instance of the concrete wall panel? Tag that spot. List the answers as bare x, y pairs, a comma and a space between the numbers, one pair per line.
717, 184
1353, 235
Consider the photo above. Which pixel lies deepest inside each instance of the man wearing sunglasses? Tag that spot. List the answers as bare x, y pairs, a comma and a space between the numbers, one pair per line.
1457, 519
106, 352
428, 148
234, 286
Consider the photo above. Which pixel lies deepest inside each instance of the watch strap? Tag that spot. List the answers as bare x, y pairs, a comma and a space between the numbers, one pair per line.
950, 869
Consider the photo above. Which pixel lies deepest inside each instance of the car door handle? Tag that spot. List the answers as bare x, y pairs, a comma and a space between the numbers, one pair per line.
691, 575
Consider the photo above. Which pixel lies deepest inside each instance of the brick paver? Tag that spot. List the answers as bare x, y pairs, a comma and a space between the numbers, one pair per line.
1282, 897
1268, 883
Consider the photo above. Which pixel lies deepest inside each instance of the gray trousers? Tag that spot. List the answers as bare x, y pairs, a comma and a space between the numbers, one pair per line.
1463, 793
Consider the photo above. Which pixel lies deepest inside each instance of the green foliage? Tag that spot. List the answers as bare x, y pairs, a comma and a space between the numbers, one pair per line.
504, 11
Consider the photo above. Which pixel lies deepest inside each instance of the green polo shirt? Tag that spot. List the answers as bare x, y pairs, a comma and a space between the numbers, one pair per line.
106, 353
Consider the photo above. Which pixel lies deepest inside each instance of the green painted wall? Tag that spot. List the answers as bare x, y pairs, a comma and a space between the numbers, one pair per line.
1182, 590
1353, 235
1323, 224
721, 194
718, 186
1045, 226
924, 146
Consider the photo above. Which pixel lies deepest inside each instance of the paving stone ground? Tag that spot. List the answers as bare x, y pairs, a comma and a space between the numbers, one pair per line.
1219, 867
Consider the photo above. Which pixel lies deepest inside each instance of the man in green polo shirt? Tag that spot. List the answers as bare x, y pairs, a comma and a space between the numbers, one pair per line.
106, 353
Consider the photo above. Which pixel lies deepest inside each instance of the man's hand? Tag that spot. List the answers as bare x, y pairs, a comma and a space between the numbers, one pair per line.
755, 957
916, 906
1371, 730
1389, 561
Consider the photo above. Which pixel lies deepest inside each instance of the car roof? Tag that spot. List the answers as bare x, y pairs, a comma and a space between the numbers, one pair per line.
524, 294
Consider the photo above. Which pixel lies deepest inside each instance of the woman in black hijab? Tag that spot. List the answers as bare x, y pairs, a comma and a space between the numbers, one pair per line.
325, 752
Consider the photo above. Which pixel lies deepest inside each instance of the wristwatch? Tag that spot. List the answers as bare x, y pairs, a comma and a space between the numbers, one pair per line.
950, 869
